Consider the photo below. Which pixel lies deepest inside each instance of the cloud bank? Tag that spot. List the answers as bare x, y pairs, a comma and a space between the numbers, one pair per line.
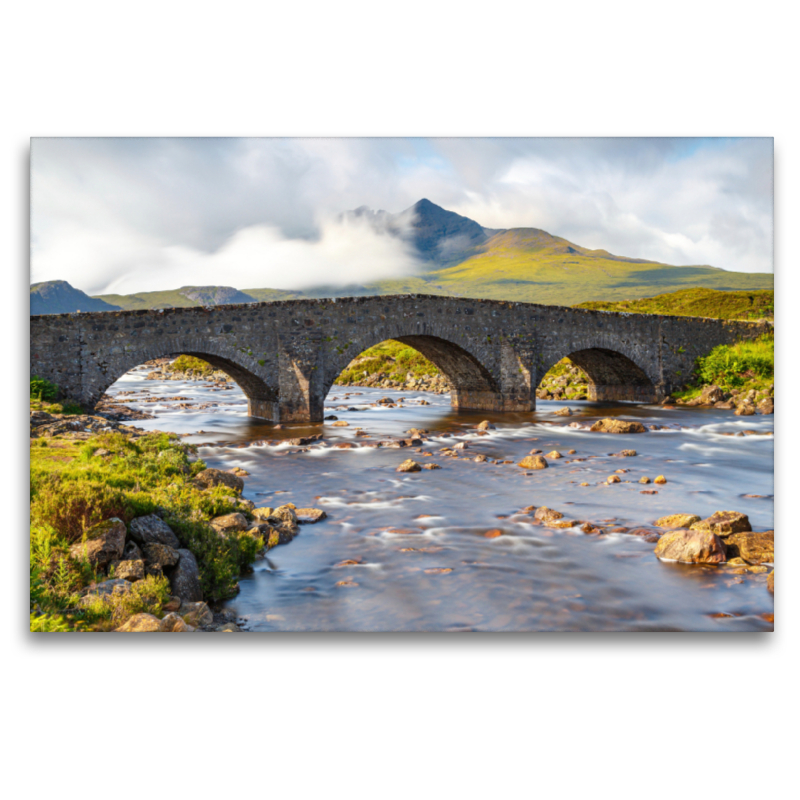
127, 215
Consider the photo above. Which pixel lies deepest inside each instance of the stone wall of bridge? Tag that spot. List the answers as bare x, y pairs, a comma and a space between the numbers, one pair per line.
286, 355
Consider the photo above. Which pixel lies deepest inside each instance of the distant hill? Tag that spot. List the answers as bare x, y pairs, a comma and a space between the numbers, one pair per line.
185, 297
459, 257
58, 297
698, 303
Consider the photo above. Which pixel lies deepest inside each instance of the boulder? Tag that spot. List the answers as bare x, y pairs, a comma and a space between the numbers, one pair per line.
712, 394
612, 479
129, 570
533, 462
745, 410
340, 424
131, 551
659, 479
173, 623
307, 516
691, 547
196, 614
677, 520
140, 623
230, 523
263, 513
644, 479
554, 454
185, 578
153, 530
723, 523
545, 514
563, 412
160, 555
111, 586
766, 406
485, 426
103, 543
285, 515
409, 465
617, 426
755, 548
209, 478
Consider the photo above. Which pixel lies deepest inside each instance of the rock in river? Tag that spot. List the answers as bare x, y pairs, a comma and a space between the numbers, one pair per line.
691, 547
677, 521
409, 465
307, 516
723, 523
755, 548
617, 426
533, 462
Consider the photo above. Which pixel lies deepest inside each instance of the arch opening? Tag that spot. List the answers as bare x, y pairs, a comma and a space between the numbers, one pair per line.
453, 369
262, 399
613, 376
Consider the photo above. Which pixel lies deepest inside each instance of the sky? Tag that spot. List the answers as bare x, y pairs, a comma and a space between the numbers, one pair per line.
116, 215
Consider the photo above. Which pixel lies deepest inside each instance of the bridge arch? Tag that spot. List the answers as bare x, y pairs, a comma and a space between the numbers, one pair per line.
613, 375
262, 397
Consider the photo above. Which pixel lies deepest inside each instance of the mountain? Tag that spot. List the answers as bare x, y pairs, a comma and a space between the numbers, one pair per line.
459, 257
58, 297
439, 237
185, 297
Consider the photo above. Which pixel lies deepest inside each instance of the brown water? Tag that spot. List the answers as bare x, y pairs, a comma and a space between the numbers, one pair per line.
423, 560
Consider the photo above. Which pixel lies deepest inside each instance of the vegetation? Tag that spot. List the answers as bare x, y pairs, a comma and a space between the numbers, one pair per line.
42, 391
742, 367
191, 364
73, 487
392, 359
698, 302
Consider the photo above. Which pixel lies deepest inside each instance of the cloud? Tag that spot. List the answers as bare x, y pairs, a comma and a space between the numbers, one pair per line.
142, 214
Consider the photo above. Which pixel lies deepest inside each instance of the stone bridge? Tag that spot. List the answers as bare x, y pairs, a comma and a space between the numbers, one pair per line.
286, 355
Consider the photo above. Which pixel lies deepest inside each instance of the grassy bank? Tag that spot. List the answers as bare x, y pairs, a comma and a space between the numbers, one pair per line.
697, 302
390, 359
739, 368
76, 484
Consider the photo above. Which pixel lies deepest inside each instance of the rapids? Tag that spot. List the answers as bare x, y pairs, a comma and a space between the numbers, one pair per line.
418, 556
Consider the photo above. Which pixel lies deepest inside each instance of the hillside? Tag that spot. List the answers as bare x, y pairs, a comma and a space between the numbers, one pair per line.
58, 297
185, 297
698, 303
459, 257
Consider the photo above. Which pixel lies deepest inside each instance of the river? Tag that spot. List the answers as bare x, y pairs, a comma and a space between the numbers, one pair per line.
419, 558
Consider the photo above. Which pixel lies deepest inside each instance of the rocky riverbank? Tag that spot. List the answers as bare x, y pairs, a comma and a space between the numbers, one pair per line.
165, 570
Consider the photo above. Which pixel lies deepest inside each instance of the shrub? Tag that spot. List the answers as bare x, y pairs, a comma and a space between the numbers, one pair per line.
42, 389
733, 366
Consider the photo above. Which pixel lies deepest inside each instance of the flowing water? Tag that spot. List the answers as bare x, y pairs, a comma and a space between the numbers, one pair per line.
419, 558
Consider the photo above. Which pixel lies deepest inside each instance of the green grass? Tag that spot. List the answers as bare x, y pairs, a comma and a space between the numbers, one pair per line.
72, 489
394, 359
698, 302
186, 363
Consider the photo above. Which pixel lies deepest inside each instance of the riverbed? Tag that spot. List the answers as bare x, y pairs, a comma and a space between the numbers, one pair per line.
410, 551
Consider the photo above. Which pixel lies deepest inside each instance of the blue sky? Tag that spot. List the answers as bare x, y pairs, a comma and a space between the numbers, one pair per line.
125, 215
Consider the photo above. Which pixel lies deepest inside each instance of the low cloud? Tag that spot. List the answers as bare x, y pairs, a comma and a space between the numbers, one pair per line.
125, 215
258, 256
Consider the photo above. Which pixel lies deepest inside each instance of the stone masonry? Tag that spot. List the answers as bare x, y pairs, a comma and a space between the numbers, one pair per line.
286, 355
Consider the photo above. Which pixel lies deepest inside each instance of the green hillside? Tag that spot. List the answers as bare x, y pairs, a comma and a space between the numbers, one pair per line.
529, 265
698, 303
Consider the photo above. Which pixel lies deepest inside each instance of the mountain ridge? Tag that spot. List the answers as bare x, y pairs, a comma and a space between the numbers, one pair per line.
460, 257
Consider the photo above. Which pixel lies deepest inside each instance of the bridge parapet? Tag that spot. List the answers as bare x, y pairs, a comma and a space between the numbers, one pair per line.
286, 355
